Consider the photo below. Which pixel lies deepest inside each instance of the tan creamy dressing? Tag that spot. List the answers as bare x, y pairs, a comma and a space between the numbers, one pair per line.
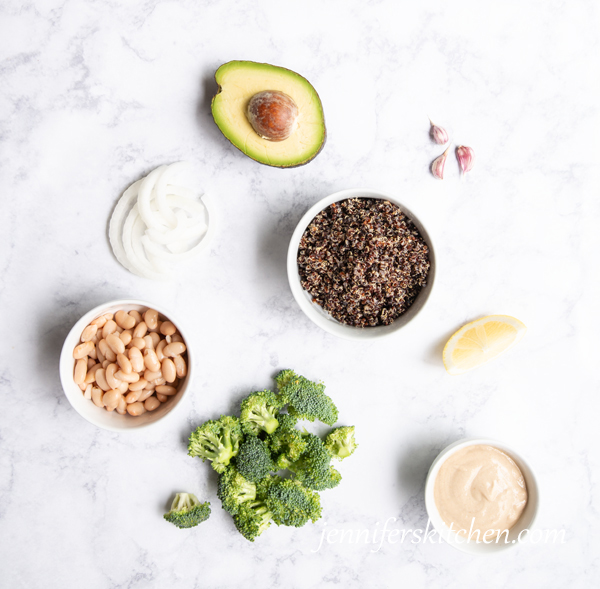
484, 483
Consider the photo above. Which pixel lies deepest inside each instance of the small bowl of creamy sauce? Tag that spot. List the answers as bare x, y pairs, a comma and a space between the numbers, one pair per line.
480, 495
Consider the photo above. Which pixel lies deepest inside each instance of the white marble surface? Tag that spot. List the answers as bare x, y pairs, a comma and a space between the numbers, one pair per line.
95, 94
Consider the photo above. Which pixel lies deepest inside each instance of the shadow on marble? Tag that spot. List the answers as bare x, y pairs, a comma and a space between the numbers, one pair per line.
54, 325
413, 467
204, 118
271, 257
434, 353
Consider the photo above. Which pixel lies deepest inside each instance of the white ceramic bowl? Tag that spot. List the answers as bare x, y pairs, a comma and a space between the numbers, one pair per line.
525, 522
314, 311
111, 420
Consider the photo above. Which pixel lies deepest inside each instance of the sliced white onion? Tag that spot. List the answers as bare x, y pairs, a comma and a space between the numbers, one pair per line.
161, 190
115, 228
150, 217
133, 230
158, 223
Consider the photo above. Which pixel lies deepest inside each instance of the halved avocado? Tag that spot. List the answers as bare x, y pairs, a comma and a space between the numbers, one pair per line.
238, 82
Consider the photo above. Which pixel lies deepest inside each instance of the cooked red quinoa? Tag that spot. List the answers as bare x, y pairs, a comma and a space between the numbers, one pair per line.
363, 261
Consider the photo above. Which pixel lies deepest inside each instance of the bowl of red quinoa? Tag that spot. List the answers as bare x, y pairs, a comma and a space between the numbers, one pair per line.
361, 265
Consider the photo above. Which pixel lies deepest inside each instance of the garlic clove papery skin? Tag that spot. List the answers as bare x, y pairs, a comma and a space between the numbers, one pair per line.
437, 166
438, 134
466, 158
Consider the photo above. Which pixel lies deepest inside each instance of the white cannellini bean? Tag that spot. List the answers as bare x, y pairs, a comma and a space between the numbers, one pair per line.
136, 409
150, 375
126, 337
138, 342
82, 350
87, 394
112, 381
99, 322
151, 318
124, 362
132, 377
122, 406
136, 315
145, 395
106, 351
124, 320
97, 395
180, 366
167, 328
149, 344
151, 403
161, 398
168, 370
89, 332
80, 371
133, 396
116, 344
136, 359
151, 361
174, 349
90, 376
90, 363
140, 330
101, 380
109, 327
139, 385
160, 350
155, 339
167, 390
111, 399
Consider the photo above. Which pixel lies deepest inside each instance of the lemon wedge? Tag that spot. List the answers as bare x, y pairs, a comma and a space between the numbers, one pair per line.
480, 341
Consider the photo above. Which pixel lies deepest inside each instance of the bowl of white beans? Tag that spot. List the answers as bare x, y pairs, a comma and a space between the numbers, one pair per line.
125, 365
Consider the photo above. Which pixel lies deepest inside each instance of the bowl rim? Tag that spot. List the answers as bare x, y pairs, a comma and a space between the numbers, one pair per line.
66, 362
529, 515
321, 318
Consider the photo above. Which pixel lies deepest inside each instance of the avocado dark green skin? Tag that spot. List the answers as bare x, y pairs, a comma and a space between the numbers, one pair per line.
297, 165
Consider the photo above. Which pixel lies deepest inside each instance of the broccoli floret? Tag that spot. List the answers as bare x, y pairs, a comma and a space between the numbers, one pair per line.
340, 442
234, 489
262, 487
313, 469
217, 441
187, 511
254, 459
287, 445
258, 411
252, 519
306, 399
284, 378
292, 504
287, 421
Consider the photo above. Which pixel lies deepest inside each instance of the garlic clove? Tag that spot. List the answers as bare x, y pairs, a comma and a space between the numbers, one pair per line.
438, 134
437, 166
466, 158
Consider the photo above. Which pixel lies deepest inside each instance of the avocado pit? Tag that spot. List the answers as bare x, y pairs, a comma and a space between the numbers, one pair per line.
272, 114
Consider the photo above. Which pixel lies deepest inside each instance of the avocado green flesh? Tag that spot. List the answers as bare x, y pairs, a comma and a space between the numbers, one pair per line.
240, 80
